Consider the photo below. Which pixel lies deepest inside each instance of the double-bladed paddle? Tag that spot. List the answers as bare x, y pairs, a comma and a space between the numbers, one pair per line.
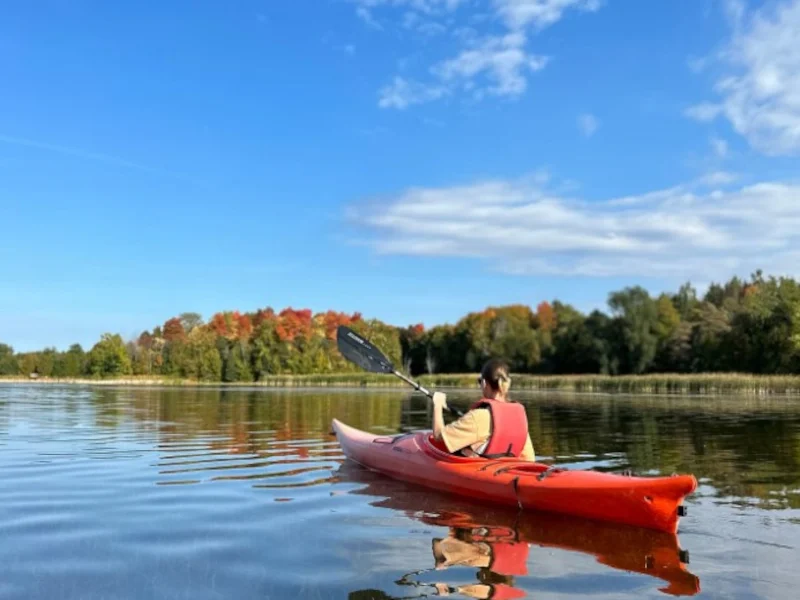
361, 352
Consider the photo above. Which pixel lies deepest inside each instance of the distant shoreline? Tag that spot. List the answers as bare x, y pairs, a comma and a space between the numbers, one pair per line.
687, 384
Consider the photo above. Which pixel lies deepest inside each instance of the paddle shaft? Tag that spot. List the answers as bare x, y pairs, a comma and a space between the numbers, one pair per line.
413, 384
419, 388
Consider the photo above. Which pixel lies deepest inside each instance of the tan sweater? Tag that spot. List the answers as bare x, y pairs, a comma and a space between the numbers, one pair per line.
472, 431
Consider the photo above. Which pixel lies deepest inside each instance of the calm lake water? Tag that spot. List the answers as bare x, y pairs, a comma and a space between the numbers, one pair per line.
175, 493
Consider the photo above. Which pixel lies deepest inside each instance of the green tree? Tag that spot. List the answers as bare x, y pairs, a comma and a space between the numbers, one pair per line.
190, 320
445, 350
46, 362
73, 362
765, 327
513, 338
635, 326
236, 366
673, 340
27, 363
109, 357
710, 332
264, 352
8, 362
202, 359
675, 351
174, 357
581, 345
667, 318
685, 301
412, 345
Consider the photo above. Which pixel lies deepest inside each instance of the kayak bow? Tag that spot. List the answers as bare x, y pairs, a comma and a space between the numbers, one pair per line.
650, 502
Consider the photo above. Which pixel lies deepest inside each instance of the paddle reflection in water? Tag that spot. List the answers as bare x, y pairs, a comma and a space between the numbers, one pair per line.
496, 542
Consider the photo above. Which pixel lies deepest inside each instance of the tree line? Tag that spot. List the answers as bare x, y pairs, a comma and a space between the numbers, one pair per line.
739, 326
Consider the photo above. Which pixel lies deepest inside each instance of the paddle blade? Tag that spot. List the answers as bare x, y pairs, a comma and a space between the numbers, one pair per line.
359, 351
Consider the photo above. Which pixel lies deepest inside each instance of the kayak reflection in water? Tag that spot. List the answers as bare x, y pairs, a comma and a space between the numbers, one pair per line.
495, 553
494, 426
496, 542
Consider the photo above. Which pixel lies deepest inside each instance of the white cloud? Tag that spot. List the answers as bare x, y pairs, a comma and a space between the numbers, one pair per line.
720, 147
718, 178
697, 65
760, 88
502, 59
413, 21
366, 15
402, 93
484, 64
704, 112
427, 7
734, 10
520, 227
519, 14
431, 28
588, 124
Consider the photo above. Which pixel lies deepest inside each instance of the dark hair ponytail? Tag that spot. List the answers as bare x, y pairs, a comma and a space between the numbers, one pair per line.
495, 373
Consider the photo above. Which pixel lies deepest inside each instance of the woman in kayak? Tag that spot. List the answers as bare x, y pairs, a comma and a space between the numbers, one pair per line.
494, 426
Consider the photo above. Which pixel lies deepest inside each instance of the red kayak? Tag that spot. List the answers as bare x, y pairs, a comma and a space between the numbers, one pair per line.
651, 502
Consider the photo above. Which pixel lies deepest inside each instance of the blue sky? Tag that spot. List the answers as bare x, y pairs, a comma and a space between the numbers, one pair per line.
410, 159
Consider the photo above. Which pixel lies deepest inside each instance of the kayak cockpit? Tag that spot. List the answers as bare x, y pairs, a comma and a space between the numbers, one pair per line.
438, 450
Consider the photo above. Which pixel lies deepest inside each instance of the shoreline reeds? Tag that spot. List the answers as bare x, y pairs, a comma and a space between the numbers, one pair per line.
659, 383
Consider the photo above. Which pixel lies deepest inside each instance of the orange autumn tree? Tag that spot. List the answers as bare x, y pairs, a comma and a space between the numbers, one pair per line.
546, 316
294, 330
232, 325
173, 330
750, 326
234, 331
325, 326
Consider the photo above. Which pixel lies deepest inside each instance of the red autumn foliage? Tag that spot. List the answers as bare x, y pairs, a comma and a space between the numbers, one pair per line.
173, 330
331, 321
145, 340
294, 323
232, 325
243, 325
418, 329
219, 325
547, 316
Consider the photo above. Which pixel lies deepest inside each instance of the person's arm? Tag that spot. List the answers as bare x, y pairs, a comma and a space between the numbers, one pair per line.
460, 433
439, 402
527, 451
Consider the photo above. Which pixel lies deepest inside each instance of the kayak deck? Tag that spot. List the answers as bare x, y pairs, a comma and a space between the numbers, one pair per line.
651, 502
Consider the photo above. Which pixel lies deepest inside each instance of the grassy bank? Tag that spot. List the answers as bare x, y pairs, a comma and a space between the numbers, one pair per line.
712, 383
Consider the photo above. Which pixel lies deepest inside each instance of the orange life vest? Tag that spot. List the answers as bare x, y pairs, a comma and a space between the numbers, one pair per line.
509, 428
